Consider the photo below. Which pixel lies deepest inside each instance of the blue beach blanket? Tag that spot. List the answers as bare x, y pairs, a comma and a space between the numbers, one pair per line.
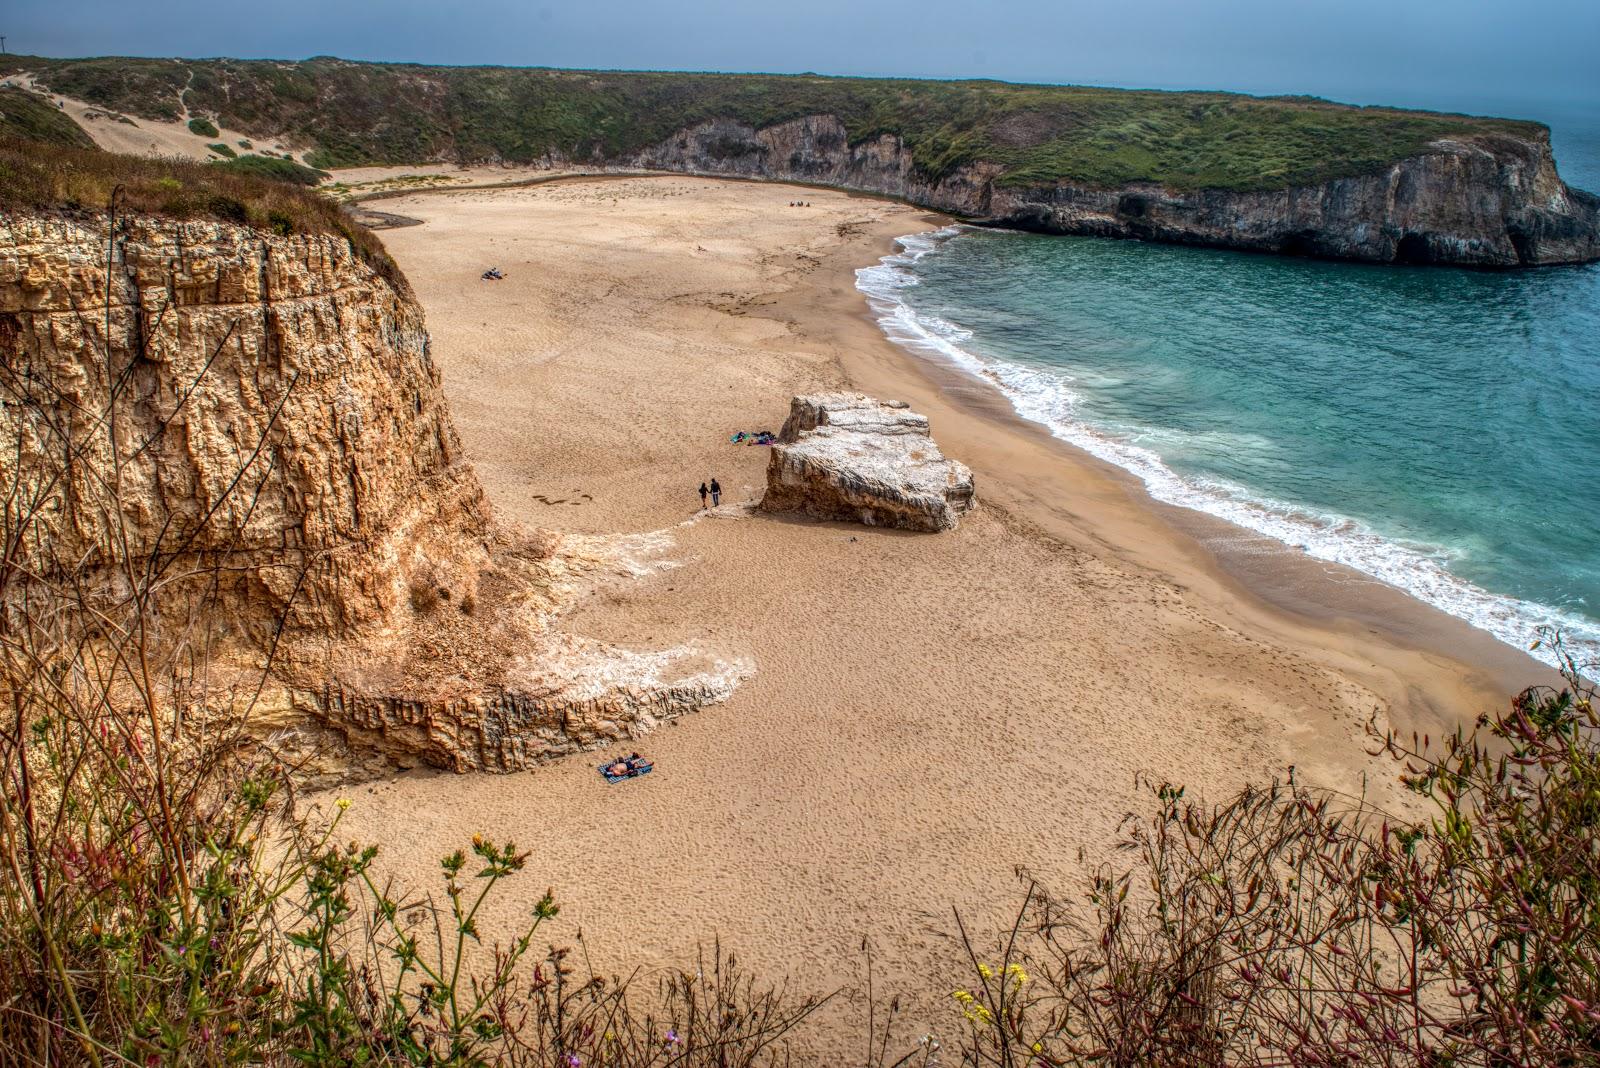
635, 770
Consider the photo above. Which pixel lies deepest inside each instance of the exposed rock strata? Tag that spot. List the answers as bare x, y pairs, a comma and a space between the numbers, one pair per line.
287, 364
581, 695
277, 413
1492, 201
847, 456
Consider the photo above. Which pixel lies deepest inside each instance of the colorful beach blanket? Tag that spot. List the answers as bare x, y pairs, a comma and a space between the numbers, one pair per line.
635, 769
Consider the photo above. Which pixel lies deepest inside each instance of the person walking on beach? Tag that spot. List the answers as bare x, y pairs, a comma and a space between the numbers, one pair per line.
716, 493
702, 496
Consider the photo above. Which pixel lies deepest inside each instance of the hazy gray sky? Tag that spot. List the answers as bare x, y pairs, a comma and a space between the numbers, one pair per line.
1429, 52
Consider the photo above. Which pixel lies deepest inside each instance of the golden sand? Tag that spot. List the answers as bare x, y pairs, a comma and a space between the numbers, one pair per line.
928, 711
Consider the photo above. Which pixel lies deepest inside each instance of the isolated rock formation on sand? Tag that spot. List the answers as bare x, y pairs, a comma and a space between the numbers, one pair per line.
276, 408
848, 456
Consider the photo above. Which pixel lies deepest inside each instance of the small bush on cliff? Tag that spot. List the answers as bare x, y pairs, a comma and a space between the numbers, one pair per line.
275, 168
203, 127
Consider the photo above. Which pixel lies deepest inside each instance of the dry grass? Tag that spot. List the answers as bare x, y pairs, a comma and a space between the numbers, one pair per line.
53, 178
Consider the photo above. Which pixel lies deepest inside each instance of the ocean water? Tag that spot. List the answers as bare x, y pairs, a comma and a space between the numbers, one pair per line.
1435, 428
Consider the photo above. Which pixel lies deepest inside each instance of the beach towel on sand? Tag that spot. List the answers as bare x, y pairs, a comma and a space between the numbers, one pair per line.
634, 770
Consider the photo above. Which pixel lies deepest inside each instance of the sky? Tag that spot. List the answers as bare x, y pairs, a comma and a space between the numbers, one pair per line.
1456, 54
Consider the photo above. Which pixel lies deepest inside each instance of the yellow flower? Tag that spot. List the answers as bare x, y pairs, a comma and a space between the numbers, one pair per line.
985, 971
343, 803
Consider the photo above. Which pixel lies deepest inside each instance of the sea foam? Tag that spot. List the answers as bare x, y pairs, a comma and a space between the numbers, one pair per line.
1047, 397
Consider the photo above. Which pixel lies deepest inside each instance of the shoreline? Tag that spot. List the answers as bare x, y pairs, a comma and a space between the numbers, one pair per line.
1281, 592
927, 712
1308, 590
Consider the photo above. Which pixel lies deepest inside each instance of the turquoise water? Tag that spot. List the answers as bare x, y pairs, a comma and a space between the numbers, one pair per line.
1432, 427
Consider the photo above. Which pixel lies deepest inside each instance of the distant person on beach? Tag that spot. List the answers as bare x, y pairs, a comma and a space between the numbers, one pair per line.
702, 495
716, 493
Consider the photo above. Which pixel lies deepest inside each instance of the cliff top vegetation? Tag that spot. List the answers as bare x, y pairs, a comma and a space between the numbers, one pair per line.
45, 175
31, 116
1038, 133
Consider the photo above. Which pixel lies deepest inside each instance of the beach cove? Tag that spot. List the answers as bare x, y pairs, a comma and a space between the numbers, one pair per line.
926, 712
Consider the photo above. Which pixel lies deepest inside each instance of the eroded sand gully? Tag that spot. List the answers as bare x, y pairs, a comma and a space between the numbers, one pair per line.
927, 711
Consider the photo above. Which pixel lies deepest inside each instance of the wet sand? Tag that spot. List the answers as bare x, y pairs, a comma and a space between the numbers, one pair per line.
928, 711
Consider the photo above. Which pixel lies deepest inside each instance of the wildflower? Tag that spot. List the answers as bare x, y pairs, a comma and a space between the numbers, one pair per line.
573, 1060
342, 804
1015, 973
974, 1012
985, 971
672, 1038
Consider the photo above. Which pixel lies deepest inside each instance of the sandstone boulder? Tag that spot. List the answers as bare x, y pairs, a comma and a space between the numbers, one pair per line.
847, 456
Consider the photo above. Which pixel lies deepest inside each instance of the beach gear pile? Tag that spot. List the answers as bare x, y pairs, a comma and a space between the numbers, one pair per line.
628, 767
760, 437
492, 275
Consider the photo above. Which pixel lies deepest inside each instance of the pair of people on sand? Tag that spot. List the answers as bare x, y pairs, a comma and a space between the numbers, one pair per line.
715, 491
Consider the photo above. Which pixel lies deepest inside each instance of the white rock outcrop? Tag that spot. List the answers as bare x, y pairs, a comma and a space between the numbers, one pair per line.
847, 456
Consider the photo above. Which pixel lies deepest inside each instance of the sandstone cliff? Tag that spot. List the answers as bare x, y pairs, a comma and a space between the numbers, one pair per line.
1494, 200
256, 417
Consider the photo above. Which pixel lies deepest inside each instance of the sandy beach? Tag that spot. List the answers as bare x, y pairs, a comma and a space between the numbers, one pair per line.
927, 712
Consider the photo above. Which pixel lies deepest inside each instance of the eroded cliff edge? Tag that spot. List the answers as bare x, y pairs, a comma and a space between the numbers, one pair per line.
263, 410
1490, 200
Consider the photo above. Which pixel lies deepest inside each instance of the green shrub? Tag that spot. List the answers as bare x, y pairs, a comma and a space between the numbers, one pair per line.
1290, 926
223, 150
275, 169
203, 127
30, 116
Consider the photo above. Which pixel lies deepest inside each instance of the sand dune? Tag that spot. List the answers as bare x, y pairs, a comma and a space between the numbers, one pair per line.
927, 710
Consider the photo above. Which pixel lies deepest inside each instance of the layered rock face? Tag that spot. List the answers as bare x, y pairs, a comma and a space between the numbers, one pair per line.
846, 456
1493, 201
270, 398
256, 421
